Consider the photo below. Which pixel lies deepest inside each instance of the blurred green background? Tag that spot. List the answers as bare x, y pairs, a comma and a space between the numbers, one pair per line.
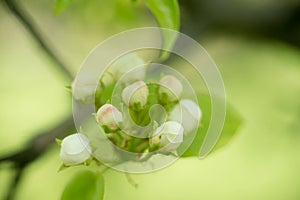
262, 80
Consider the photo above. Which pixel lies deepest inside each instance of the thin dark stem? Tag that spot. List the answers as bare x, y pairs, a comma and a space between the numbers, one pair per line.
36, 147
14, 184
39, 144
28, 23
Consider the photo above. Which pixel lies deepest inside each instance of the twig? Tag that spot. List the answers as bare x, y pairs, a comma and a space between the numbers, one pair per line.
39, 144
13, 186
28, 23
36, 147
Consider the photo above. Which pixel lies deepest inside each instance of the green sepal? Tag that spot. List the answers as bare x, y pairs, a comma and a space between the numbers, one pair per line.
58, 141
62, 167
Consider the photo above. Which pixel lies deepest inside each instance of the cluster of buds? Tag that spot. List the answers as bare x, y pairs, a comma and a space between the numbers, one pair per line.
182, 116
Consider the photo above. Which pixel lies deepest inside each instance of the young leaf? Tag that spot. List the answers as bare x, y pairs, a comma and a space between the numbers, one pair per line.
231, 125
61, 5
166, 13
85, 185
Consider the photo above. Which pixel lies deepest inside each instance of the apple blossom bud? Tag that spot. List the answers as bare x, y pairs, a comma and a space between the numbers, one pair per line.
136, 93
188, 113
170, 86
107, 79
75, 149
86, 85
169, 136
128, 63
109, 116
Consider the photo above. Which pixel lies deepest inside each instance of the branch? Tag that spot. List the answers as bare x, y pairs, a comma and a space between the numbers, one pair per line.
12, 189
39, 144
35, 148
28, 23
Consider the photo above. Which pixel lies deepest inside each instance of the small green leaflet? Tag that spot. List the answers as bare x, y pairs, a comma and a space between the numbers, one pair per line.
166, 13
61, 5
86, 185
232, 122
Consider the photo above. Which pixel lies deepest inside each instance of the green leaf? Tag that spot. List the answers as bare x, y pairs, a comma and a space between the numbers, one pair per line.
61, 5
85, 185
166, 13
231, 125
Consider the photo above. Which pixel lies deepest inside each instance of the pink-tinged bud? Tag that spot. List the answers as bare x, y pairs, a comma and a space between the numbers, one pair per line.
136, 93
188, 113
109, 116
75, 149
170, 86
169, 136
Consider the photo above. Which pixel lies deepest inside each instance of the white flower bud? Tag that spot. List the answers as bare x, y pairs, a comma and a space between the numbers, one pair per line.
169, 136
188, 113
85, 87
109, 116
75, 149
127, 64
107, 79
136, 93
171, 86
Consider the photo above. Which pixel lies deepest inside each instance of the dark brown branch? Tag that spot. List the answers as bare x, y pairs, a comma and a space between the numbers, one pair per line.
28, 23
35, 148
15, 182
39, 144
42, 141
